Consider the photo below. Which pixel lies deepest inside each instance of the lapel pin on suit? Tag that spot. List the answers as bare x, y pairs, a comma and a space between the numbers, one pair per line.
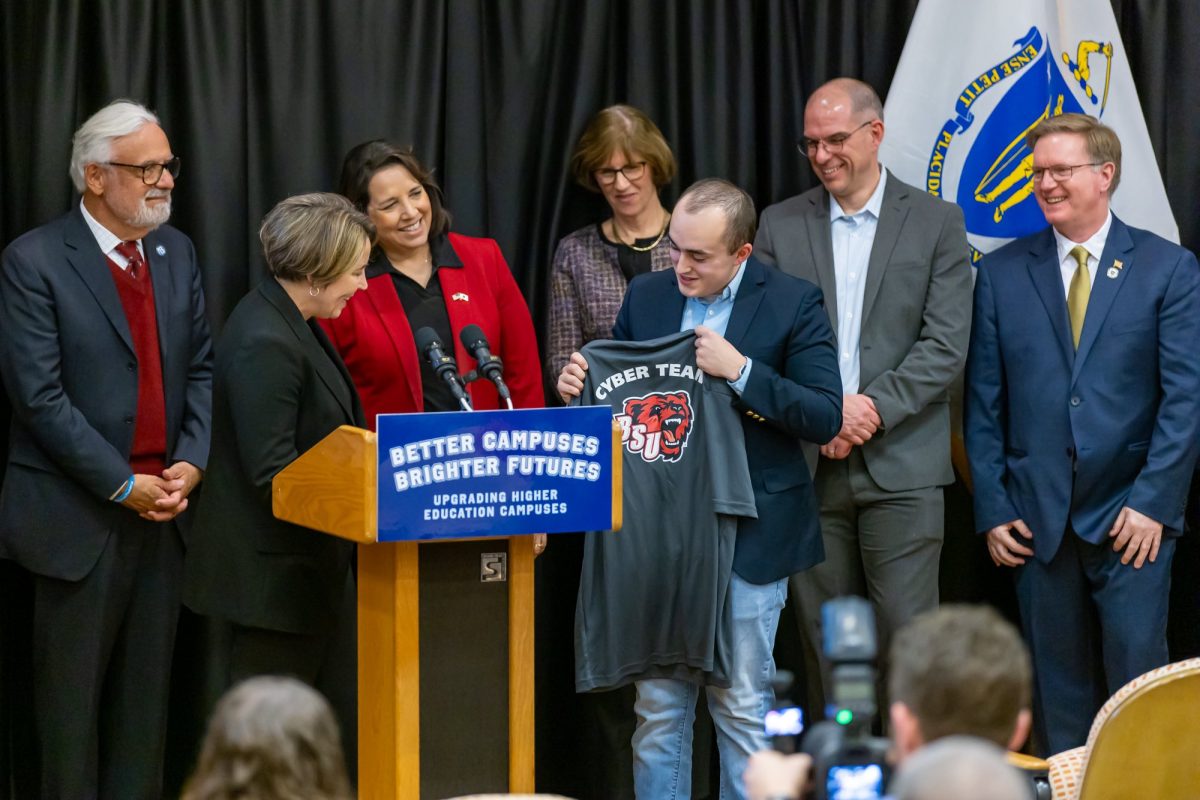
162, 251
460, 296
1115, 269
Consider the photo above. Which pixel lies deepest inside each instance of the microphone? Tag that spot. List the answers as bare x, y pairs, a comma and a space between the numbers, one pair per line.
434, 351
487, 365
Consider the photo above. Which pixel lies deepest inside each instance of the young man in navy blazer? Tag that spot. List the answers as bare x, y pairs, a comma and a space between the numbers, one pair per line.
1083, 398
768, 335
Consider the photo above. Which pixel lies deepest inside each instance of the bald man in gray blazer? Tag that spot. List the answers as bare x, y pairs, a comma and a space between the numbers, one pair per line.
893, 263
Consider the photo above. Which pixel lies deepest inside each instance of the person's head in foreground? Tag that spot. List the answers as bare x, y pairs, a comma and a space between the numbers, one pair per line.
959, 670
960, 768
271, 738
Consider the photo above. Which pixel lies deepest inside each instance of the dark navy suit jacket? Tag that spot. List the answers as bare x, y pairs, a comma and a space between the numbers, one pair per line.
68, 362
794, 392
1058, 437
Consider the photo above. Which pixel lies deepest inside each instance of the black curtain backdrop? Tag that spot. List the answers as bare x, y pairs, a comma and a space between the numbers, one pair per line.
261, 98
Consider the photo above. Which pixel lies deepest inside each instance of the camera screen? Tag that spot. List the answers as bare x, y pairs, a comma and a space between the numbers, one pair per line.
856, 782
854, 691
784, 722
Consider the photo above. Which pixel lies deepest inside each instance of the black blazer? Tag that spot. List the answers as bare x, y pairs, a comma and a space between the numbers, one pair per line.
794, 393
71, 372
279, 388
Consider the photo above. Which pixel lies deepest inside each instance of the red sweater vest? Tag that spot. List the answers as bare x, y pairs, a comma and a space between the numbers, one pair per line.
148, 454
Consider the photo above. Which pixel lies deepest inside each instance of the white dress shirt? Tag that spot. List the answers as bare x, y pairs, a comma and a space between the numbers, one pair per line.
1095, 247
108, 240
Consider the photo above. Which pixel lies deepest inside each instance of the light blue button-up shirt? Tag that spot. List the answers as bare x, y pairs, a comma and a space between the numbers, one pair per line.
715, 314
853, 236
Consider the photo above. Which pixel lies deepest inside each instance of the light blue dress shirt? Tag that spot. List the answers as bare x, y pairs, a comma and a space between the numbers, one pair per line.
715, 314
853, 236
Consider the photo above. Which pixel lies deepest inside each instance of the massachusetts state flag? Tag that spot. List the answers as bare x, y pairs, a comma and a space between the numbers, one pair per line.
976, 76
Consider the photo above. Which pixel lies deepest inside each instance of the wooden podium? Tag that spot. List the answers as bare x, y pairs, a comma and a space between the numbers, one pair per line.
332, 488
445, 651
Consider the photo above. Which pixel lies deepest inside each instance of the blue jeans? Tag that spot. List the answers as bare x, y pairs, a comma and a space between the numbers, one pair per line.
666, 709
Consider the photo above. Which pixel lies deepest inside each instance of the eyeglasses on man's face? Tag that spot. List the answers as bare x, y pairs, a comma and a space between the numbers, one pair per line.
833, 144
1060, 172
152, 171
608, 176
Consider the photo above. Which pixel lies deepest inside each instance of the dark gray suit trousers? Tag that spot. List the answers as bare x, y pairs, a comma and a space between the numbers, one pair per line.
881, 545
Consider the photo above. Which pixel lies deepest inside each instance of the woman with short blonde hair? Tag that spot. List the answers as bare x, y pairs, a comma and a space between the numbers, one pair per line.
279, 388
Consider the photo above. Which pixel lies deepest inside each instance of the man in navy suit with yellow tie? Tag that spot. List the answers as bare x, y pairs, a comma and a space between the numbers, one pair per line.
1083, 398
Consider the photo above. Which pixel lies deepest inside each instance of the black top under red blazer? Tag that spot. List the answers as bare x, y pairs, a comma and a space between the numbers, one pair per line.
376, 342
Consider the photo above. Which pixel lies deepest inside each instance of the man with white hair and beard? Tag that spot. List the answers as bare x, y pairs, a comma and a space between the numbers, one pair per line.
106, 357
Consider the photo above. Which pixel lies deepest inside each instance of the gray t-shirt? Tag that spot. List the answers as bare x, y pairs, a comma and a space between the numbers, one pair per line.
653, 596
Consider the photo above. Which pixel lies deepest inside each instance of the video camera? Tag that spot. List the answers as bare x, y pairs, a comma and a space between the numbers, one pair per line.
848, 762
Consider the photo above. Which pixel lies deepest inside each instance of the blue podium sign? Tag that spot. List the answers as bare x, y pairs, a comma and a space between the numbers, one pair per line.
494, 473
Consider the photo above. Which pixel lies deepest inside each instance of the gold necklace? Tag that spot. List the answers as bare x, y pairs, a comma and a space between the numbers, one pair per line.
428, 261
647, 248
428, 264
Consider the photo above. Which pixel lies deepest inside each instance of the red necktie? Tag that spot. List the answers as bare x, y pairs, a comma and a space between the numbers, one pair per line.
134, 257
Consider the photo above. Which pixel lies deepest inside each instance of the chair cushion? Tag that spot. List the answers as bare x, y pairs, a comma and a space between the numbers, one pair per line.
1066, 771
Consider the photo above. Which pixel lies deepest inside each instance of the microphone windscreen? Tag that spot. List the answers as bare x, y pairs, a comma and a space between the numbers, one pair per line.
425, 337
472, 336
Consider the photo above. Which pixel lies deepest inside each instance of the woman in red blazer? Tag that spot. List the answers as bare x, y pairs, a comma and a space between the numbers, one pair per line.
422, 275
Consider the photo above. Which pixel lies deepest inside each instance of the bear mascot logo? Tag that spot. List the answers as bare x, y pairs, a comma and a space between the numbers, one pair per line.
657, 425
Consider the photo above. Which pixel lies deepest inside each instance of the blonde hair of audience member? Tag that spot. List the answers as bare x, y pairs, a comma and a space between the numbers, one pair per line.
960, 768
271, 738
